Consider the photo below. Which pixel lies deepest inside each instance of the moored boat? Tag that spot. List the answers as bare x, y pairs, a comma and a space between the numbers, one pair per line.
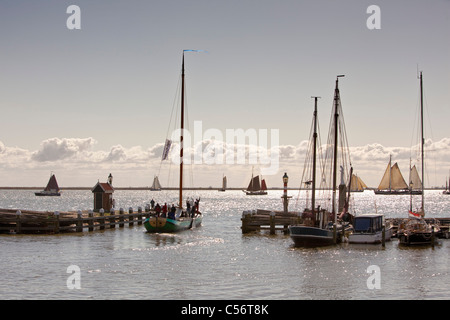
368, 228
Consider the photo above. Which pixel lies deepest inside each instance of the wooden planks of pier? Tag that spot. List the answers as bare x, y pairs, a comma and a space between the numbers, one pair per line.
273, 221
14, 221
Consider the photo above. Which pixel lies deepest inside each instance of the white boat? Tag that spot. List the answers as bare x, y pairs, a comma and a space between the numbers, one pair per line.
368, 228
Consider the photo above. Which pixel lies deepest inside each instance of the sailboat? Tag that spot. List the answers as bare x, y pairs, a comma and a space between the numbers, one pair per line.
357, 184
415, 230
392, 181
224, 184
52, 188
447, 187
156, 186
255, 187
320, 226
178, 219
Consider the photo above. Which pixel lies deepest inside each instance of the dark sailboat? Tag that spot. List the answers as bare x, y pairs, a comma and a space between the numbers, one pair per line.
52, 188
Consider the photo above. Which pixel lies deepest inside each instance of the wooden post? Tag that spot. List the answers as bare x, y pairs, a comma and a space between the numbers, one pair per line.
91, 220
272, 222
245, 221
140, 215
112, 220
334, 234
56, 214
432, 236
121, 223
79, 221
383, 236
130, 217
102, 218
18, 221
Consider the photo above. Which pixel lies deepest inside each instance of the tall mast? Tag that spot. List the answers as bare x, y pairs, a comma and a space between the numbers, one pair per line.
180, 204
336, 122
313, 198
422, 141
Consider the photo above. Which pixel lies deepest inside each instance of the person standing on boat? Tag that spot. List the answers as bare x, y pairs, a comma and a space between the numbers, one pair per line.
158, 209
164, 209
152, 204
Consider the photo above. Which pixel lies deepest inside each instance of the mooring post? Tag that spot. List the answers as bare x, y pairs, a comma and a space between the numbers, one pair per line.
56, 214
272, 222
139, 218
432, 236
112, 218
121, 219
245, 221
79, 221
130, 217
18, 221
102, 218
91, 220
383, 236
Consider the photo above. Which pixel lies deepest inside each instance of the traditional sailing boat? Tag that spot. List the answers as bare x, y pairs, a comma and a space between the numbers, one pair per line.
320, 226
224, 184
415, 230
357, 184
156, 186
52, 188
392, 181
179, 219
447, 187
255, 188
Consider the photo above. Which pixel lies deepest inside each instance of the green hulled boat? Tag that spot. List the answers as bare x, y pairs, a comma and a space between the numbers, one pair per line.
180, 219
162, 225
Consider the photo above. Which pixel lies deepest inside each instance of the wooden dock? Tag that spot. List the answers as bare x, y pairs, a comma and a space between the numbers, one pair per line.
273, 221
14, 221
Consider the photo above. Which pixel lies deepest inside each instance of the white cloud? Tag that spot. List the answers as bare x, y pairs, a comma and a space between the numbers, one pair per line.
77, 163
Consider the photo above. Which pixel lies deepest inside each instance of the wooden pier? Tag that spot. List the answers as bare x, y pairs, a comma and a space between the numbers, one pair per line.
14, 221
273, 221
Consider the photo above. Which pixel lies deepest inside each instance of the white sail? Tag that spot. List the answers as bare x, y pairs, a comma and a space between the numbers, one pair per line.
415, 182
156, 185
357, 184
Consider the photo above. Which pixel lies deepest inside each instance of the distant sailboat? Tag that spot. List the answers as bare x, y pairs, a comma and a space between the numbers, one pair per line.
156, 186
52, 188
447, 187
392, 181
224, 184
255, 187
357, 185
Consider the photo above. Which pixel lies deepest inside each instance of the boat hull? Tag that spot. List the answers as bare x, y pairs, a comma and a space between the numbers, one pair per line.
163, 225
255, 193
416, 238
305, 236
398, 192
47, 194
370, 238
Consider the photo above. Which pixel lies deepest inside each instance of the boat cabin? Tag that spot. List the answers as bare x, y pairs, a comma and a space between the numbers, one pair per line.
103, 196
368, 223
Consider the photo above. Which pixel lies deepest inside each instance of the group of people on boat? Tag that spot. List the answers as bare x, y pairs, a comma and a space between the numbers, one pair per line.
164, 211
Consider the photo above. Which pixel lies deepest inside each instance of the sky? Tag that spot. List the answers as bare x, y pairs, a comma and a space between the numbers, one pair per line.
83, 103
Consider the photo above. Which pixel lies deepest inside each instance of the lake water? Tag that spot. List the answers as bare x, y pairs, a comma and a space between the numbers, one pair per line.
216, 261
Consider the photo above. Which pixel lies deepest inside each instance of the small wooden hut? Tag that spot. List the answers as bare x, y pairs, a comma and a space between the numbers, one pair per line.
103, 196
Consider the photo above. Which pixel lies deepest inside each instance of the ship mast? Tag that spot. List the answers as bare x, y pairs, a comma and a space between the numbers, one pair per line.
180, 204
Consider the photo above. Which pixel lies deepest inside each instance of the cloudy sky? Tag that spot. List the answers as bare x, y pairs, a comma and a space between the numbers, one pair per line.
86, 102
